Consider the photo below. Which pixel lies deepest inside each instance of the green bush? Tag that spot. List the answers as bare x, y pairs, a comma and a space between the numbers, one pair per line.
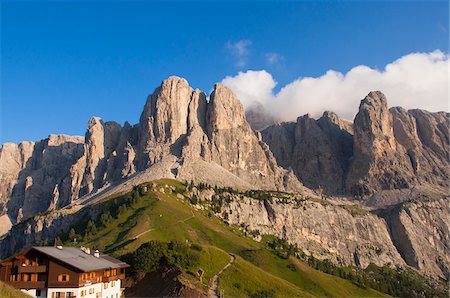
262, 294
193, 200
149, 256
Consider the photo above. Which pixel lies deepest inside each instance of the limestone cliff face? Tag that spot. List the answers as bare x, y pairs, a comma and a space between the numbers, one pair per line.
44, 180
180, 128
425, 138
383, 150
419, 231
320, 228
239, 149
13, 159
412, 233
378, 162
179, 135
317, 150
164, 119
56, 171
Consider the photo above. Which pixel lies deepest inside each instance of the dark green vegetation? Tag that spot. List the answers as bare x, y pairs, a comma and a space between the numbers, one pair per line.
151, 255
156, 224
398, 282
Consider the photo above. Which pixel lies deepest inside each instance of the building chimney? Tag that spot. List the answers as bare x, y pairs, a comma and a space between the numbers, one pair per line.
97, 253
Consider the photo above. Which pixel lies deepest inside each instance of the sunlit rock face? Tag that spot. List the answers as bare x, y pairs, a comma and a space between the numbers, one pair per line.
179, 134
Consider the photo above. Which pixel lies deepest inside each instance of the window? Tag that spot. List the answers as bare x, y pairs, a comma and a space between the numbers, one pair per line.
92, 275
114, 272
113, 284
91, 291
106, 273
83, 293
84, 276
63, 277
106, 285
38, 292
97, 295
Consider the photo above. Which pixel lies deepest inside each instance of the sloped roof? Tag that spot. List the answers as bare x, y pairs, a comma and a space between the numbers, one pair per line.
77, 258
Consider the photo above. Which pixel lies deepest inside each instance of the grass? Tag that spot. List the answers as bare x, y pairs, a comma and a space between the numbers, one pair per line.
163, 216
244, 278
7, 291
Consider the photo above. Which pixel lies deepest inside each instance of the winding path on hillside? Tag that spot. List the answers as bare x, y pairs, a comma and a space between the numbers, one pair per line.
213, 290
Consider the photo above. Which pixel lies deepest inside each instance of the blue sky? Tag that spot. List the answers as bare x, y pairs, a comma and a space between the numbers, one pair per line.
63, 62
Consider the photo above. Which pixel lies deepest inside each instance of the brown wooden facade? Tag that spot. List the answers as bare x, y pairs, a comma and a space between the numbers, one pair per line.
32, 269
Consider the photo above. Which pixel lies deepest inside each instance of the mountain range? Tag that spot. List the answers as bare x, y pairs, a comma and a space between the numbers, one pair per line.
392, 165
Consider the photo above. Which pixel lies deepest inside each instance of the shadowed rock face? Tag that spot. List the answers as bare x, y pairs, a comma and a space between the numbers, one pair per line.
317, 150
383, 149
177, 130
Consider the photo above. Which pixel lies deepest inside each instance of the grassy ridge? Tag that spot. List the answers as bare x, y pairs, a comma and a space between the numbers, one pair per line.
10, 292
162, 215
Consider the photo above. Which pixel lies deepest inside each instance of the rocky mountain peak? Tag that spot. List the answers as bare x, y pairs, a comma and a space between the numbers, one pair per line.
378, 162
225, 111
373, 126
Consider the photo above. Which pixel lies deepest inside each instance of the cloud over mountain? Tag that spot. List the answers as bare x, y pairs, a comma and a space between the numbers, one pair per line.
416, 80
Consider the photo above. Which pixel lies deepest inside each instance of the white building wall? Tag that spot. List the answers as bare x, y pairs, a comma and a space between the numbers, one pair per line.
112, 291
31, 292
109, 292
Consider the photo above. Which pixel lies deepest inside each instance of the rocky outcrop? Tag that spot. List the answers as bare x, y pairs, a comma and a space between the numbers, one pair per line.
177, 121
317, 150
412, 233
425, 138
237, 148
344, 234
383, 150
13, 159
419, 230
179, 135
44, 181
164, 120
378, 162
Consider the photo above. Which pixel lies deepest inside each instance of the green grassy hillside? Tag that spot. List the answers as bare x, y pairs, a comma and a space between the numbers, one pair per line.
165, 216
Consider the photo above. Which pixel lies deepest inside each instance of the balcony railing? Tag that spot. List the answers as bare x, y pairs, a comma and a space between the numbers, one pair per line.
88, 282
111, 278
32, 269
28, 284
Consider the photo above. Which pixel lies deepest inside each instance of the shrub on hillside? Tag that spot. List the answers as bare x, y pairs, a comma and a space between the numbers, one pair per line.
149, 256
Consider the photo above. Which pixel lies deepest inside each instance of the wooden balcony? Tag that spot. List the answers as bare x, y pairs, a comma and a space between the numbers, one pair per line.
32, 269
28, 284
87, 282
115, 277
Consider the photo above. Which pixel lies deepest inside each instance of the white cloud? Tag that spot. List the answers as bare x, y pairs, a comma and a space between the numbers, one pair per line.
240, 51
273, 58
417, 80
